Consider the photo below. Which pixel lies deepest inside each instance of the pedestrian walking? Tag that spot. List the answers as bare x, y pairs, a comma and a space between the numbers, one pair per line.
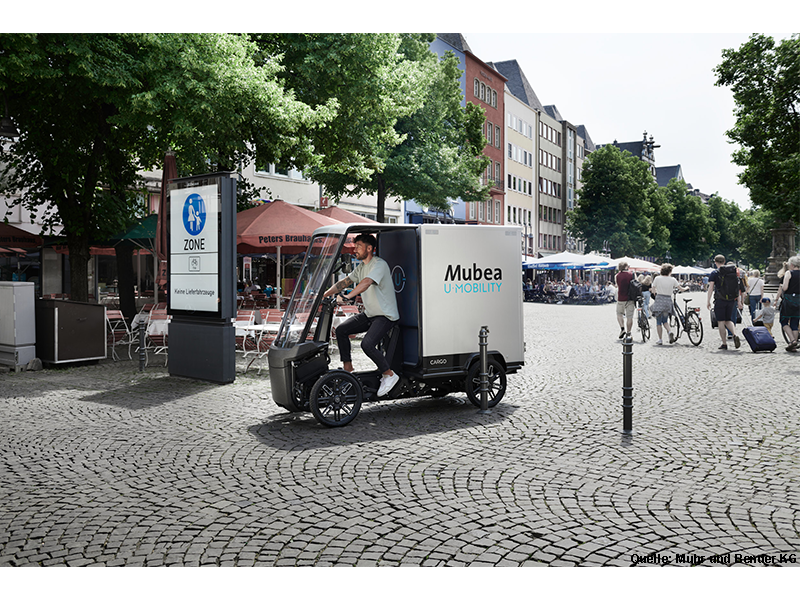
625, 307
766, 315
789, 295
726, 288
663, 286
755, 290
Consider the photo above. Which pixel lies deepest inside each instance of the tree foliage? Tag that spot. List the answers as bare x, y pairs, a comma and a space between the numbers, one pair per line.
691, 232
616, 205
400, 131
765, 80
93, 110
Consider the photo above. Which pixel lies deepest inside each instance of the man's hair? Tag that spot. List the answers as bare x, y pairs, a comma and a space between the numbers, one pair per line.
719, 259
368, 239
622, 266
666, 269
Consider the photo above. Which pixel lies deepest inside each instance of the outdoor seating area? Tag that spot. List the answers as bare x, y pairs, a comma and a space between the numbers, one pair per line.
255, 331
595, 282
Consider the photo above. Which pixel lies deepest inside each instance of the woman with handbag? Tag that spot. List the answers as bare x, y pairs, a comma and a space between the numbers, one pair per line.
789, 295
755, 289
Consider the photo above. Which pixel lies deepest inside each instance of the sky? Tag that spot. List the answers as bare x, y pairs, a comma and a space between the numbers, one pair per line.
621, 85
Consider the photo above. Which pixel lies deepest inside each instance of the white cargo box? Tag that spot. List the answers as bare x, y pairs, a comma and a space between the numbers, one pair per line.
470, 277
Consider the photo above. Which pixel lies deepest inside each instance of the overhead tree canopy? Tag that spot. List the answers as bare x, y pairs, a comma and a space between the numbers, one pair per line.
400, 130
93, 110
765, 80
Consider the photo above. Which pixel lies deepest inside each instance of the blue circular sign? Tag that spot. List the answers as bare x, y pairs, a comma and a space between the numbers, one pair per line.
398, 279
194, 214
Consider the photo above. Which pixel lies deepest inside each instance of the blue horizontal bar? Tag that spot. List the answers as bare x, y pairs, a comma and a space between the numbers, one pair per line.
480, 571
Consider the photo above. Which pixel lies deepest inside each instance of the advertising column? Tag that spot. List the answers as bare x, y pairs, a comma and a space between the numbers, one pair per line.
201, 271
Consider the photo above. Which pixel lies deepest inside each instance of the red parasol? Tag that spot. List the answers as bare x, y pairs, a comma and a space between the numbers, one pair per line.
18, 238
345, 216
275, 225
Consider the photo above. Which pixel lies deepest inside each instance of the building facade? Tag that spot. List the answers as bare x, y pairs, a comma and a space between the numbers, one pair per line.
485, 88
520, 166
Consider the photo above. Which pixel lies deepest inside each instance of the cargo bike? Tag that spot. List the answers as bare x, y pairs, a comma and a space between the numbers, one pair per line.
449, 282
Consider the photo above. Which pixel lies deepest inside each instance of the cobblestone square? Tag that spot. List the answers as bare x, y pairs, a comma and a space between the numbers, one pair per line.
102, 464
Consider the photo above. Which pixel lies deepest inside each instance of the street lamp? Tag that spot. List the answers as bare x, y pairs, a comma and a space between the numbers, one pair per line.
668, 257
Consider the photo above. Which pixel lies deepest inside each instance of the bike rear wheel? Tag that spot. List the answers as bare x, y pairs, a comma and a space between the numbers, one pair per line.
694, 328
644, 327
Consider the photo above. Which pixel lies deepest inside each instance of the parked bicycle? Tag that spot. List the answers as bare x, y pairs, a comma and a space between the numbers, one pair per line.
687, 320
642, 321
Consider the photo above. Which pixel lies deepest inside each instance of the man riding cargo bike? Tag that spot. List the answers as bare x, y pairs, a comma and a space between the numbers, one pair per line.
422, 322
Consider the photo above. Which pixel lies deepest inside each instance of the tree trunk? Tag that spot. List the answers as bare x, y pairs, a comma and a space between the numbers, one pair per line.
127, 301
78, 268
381, 216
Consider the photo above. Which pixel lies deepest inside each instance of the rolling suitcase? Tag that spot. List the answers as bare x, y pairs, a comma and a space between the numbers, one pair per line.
759, 339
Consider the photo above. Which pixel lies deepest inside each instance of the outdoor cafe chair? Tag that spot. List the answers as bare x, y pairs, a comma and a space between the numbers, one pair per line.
245, 339
158, 333
117, 333
270, 321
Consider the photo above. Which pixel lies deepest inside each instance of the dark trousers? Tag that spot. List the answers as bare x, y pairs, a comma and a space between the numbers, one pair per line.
376, 328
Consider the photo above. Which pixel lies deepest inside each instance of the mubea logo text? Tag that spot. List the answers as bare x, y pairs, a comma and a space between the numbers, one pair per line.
466, 280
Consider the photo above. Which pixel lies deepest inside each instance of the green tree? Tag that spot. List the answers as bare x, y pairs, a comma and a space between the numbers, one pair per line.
755, 237
93, 110
615, 204
725, 216
400, 131
765, 80
691, 234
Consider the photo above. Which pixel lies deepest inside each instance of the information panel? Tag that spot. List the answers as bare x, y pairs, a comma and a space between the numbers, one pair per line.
194, 282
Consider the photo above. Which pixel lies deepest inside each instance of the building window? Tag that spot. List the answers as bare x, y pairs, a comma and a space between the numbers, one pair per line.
477, 89
497, 173
497, 211
497, 136
489, 217
481, 209
494, 98
472, 211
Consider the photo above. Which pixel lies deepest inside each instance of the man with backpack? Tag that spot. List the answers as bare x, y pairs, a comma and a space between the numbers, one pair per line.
628, 293
727, 288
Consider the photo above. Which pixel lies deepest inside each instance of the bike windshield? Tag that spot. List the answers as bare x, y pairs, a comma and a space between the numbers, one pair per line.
318, 265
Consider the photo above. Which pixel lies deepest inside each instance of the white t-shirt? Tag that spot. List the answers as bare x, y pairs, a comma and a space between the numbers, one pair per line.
755, 287
379, 299
664, 285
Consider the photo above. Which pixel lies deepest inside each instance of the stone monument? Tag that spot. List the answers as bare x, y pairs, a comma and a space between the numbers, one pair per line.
782, 248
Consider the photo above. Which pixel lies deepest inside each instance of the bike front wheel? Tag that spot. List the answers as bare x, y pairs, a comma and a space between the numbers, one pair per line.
694, 328
674, 325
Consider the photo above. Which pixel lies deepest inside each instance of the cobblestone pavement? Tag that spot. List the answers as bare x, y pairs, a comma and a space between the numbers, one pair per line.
103, 465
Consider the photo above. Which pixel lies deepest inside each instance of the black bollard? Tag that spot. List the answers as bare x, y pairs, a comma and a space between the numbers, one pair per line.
627, 384
142, 350
483, 344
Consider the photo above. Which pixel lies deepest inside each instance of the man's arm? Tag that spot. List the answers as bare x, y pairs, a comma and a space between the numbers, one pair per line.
337, 287
361, 287
710, 294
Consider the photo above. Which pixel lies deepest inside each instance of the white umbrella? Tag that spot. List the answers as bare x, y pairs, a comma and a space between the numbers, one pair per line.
636, 264
687, 271
565, 260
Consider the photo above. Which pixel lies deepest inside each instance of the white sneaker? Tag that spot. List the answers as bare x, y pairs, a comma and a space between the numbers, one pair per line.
659, 343
387, 383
